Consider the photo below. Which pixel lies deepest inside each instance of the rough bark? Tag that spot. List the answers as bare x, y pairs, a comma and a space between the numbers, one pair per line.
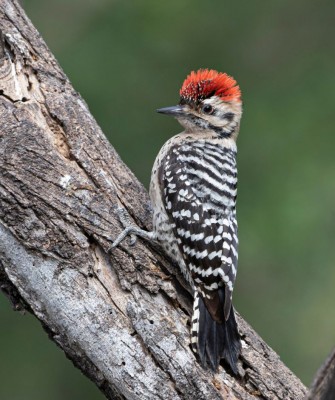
323, 387
122, 318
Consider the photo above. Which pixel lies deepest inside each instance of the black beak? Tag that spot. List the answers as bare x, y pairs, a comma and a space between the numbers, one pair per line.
175, 111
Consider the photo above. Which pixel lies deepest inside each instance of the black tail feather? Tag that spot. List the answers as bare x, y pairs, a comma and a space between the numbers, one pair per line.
217, 340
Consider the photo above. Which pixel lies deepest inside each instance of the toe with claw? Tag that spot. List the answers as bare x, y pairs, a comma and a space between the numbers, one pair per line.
129, 230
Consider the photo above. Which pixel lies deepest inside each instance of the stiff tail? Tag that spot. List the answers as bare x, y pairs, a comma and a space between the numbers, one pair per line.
213, 340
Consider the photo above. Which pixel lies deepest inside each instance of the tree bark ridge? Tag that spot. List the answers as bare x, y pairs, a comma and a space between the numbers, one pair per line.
122, 318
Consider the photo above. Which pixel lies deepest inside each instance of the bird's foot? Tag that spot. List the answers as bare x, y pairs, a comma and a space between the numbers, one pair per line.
129, 230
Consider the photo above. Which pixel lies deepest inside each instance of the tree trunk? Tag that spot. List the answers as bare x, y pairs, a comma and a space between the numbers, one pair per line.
123, 317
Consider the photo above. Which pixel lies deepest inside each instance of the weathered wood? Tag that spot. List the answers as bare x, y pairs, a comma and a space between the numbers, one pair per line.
121, 317
323, 387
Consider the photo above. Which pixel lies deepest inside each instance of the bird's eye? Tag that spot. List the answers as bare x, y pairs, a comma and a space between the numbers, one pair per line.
207, 109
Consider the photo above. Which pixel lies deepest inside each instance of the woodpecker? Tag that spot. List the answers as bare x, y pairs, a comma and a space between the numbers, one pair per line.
193, 193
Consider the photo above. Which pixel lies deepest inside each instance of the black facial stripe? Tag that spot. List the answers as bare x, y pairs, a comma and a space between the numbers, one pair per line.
199, 121
222, 132
229, 116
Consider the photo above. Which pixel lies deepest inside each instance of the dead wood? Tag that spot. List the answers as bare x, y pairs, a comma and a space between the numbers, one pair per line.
122, 318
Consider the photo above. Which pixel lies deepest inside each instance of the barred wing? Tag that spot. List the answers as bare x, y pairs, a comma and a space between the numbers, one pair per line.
199, 183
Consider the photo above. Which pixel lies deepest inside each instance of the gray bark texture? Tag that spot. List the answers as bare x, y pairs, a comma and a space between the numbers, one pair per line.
323, 387
123, 317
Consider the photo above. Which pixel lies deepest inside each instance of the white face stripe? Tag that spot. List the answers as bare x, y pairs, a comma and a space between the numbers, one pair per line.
197, 121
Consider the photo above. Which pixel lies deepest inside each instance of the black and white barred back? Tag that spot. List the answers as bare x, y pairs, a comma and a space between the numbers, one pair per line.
193, 193
196, 224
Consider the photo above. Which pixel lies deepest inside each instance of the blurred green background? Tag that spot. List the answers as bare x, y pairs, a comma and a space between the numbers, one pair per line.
128, 58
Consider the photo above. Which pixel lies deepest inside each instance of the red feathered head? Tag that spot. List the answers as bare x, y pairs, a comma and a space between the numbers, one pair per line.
205, 83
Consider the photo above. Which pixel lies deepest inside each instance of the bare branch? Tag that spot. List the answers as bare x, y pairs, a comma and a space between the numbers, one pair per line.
122, 318
323, 387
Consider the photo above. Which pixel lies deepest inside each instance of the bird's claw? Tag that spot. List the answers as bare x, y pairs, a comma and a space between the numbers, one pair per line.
128, 229
133, 240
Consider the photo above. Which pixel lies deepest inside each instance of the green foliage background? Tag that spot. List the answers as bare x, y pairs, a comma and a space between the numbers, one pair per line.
128, 58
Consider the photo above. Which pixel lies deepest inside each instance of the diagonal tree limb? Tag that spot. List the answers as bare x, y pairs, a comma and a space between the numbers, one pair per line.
122, 318
323, 387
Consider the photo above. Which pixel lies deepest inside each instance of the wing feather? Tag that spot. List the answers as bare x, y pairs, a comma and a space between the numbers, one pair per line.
200, 201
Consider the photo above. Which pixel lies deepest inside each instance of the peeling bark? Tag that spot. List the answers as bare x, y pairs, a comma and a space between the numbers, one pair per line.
122, 318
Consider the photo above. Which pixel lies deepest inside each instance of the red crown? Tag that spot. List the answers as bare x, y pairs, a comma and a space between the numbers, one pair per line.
205, 83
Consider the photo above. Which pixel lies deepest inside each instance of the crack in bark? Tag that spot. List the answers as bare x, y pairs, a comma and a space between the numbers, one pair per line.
50, 136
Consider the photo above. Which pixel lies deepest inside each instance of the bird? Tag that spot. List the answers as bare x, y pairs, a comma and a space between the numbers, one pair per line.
193, 193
